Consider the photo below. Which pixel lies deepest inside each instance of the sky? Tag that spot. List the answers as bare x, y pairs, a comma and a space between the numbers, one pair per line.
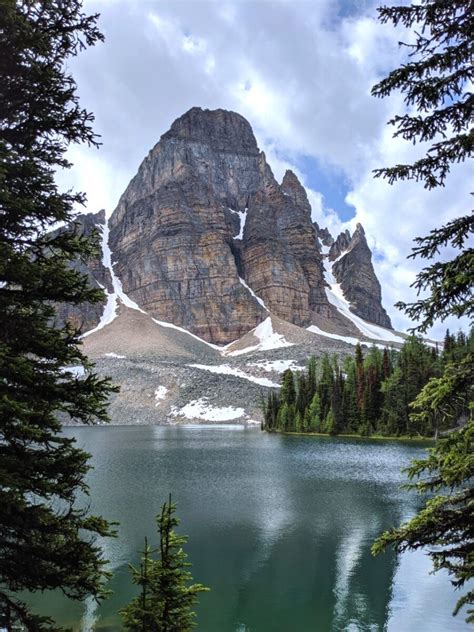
301, 73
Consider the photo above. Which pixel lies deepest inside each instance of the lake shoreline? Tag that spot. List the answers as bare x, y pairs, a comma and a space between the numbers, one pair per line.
429, 440
256, 425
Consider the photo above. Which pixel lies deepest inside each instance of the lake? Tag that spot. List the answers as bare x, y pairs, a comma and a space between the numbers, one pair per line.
280, 528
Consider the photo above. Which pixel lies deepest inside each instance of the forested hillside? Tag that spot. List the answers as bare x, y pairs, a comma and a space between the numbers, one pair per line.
367, 394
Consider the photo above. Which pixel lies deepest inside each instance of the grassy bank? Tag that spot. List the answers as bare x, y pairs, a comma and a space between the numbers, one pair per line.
375, 437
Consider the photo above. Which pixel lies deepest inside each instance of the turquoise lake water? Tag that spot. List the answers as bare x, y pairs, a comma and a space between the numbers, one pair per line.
279, 528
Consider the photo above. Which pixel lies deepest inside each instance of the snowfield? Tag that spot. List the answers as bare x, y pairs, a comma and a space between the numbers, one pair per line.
259, 300
277, 366
269, 339
160, 394
225, 369
375, 332
202, 409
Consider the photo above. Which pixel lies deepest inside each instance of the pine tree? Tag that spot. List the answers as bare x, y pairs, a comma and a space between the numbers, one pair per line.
41, 470
312, 377
437, 84
387, 366
287, 391
325, 386
285, 417
336, 402
394, 413
298, 422
350, 410
360, 376
315, 414
167, 599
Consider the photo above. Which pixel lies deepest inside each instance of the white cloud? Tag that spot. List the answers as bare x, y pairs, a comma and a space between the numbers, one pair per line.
300, 72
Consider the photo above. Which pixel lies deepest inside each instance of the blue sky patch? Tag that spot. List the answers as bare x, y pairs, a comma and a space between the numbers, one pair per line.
330, 182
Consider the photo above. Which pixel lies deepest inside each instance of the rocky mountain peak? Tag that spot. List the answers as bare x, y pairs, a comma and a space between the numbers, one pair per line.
323, 235
293, 188
359, 231
355, 273
222, 130
205, 238
339, 246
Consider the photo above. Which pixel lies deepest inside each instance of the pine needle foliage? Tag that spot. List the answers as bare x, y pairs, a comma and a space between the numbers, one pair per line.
46, 541
167, 598
437, 84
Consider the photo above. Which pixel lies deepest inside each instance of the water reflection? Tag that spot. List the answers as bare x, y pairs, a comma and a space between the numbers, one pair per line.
279, 527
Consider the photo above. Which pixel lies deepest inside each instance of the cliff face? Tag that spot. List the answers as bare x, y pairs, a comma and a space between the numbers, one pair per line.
356, 275
205, 238
86, 316
203, 213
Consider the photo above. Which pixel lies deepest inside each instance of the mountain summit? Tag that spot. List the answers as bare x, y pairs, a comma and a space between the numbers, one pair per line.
217, 280
205, 238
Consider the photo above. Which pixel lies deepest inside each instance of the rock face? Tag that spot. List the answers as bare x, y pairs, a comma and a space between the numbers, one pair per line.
87, 315
324, 236
355, 273
339, 246
205, 238
203, 213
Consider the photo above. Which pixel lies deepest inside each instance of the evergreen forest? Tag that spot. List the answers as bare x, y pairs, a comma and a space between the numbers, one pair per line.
370, 393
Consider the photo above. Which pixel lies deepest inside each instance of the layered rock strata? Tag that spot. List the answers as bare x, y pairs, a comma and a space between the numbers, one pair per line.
87, 315
356, 275
205, 213
205, 238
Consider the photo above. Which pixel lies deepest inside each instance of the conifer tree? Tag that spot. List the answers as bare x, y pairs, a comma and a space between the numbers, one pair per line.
386, 364
312, 377
41, 470
350, 411
167, 598
360, 375
288, 392
315, 414
325, 386
394, 413
437, 85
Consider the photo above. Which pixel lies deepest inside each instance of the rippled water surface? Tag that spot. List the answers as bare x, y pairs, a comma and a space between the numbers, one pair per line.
279, 527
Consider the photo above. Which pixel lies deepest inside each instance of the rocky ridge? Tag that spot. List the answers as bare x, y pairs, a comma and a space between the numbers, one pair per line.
216, 279
203, 220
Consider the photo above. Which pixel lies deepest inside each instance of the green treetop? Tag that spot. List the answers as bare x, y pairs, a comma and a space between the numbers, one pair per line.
437, 84
166, 599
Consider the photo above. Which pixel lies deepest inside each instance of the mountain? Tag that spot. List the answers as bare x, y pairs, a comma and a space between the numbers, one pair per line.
207, 257
350, 261
204, 220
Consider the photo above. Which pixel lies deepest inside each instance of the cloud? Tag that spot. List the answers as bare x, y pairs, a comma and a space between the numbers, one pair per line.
300, 72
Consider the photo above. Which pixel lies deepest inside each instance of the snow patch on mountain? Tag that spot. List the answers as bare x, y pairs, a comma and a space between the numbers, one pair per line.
160, 394
225, 369
202, 409
110, 310
268, 338
259, 300
243, 218
163, 323
275, 366
336, 297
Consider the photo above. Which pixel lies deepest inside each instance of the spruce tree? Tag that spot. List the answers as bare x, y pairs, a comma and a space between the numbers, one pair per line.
46, 541
167, 598
437, 85
315, 414
394, 413
350, 411
287, 391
